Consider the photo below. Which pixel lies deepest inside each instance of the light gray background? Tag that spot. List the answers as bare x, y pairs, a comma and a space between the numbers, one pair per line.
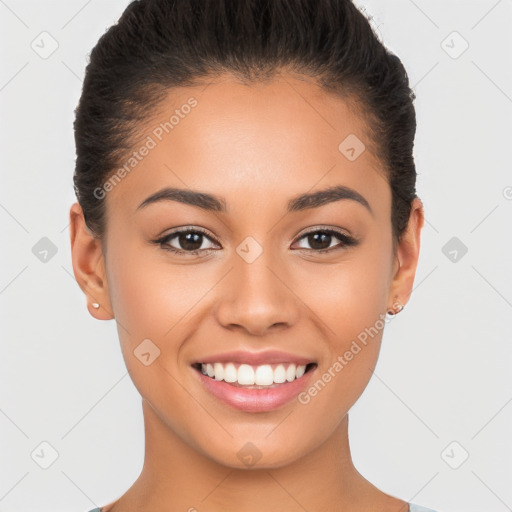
444, 373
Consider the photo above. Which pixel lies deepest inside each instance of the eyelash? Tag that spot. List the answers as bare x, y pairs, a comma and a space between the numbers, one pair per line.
346, 241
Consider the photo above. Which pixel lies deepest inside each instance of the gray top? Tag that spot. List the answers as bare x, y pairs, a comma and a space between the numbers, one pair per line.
412, 508
419, 508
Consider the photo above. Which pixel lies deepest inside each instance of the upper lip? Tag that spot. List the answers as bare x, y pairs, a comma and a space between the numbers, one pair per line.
256, 358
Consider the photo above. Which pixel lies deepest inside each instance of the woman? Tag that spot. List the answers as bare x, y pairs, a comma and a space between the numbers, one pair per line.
247, 213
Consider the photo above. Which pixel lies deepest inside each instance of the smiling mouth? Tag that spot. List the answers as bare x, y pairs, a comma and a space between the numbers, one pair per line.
246, 376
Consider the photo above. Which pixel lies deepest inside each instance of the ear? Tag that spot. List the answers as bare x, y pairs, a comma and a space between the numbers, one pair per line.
89, 264
407, 255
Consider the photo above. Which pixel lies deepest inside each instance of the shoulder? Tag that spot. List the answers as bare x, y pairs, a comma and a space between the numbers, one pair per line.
417, 508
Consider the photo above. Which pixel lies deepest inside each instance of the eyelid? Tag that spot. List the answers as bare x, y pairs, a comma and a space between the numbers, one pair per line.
321, 227
188, 228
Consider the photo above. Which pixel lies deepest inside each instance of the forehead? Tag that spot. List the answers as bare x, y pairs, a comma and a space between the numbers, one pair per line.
273, 139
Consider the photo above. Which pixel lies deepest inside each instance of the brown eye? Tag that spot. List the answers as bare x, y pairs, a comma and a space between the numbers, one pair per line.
186, 241
322, 240
190, 241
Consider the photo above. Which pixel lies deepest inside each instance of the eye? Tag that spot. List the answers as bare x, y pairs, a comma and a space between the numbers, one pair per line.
321, 240
189, 241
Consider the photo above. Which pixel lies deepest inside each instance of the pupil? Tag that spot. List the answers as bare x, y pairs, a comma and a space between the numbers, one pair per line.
320, 237
187, 241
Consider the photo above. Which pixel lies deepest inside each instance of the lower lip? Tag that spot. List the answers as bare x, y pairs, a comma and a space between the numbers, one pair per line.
255, 400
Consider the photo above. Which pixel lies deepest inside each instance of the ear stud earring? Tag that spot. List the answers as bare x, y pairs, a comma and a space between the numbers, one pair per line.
397, 307
95, 305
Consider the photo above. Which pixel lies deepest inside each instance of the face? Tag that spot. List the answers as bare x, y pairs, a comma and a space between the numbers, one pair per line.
267, 263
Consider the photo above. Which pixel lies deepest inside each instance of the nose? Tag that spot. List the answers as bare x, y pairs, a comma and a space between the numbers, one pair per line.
256, 297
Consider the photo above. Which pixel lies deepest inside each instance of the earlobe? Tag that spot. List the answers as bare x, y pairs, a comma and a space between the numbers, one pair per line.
407, 254
89, 265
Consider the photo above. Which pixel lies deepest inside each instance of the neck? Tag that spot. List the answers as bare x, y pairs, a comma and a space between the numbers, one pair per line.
177, 477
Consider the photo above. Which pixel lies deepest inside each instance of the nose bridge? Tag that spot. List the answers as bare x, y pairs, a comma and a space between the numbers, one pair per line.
254, 297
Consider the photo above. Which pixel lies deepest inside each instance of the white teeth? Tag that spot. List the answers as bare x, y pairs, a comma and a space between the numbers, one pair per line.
290, 373
264, 375
230, 373
218, 368
279, 374
301, 370
247, 375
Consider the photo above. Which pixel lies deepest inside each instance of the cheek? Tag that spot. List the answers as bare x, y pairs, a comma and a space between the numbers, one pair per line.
352, 295
149, 295
150, 311
350, 299
155, 300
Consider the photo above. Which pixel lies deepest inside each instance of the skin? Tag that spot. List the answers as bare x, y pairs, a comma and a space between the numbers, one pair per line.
257, 146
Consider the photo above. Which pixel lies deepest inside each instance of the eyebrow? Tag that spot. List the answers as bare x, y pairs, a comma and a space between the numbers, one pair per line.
210, 202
